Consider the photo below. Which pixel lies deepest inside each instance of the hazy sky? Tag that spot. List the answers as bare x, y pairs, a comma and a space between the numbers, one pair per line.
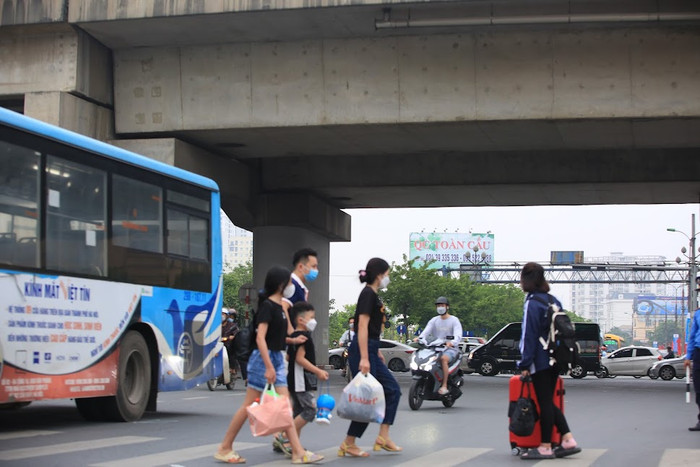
520, 234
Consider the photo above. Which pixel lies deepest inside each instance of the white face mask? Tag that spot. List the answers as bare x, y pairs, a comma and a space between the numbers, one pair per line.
288, 291
441, 310
384, 282
311, 324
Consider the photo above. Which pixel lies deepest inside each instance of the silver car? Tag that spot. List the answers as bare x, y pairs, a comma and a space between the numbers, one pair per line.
668, 369
397, 355
630, 361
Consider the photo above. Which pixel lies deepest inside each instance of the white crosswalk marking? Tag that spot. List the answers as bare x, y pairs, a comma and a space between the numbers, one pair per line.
448, 457
179, 455
582, 459
328, 454
50, 450
680, 457
25, 434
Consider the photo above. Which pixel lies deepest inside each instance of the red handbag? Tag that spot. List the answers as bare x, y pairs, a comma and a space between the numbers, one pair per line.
272, 415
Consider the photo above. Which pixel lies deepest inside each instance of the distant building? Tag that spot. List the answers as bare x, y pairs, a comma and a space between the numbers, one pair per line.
236, 244
612, 305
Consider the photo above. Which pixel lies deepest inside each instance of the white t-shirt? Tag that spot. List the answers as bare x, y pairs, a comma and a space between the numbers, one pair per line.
439, 328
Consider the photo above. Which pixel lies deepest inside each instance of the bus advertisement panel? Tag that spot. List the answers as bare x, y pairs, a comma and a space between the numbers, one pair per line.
61, 332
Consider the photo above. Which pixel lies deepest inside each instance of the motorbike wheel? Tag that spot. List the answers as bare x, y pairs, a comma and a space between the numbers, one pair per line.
578, 372
337, 362
232, 383
211, 383
414, 398
348, 373
448, 401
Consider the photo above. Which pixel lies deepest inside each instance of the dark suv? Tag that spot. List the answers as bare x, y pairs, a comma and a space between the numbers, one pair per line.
502, 351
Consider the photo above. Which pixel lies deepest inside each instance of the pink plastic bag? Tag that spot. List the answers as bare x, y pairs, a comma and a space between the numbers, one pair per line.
273, 414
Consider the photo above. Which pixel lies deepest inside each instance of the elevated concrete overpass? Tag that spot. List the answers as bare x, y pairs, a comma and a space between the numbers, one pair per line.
301, 108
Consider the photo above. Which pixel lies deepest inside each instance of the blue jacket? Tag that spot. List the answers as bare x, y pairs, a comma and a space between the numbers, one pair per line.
694, 336
534, 356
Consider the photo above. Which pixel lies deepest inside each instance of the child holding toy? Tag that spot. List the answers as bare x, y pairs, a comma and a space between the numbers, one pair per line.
303, 372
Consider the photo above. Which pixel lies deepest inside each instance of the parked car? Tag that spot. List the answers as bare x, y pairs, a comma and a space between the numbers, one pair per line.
630, 361
470, 343
335, 357
396, 355
502, 351
668, 369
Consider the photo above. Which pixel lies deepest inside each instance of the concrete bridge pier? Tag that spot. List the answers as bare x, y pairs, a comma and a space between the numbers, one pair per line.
286, 223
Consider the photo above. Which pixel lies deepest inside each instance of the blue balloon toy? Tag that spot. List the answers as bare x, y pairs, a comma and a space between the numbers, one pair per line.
325, 405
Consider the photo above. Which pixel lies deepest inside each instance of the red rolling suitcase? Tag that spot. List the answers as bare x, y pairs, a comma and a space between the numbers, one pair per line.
519, 443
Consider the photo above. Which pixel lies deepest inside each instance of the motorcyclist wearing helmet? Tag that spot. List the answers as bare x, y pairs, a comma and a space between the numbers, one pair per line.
440, 327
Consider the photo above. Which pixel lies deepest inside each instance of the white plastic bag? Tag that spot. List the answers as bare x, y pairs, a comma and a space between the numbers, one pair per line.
362, 400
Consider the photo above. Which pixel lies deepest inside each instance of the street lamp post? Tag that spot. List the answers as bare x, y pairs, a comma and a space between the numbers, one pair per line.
692, 262
692, 266
474, 263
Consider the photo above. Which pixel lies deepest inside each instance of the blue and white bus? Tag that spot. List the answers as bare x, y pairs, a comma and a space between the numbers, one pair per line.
110, 273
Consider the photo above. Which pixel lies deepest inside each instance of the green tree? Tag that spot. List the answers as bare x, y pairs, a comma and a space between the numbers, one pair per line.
482, 309
240, 275
492, 307
576, 318
664, 331
622, 333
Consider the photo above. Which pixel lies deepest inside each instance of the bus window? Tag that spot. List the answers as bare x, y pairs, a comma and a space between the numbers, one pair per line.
76, 217
137, 217
19, 200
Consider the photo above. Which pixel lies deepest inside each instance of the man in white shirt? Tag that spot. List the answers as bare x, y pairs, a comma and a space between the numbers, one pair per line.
443, 326
349, 333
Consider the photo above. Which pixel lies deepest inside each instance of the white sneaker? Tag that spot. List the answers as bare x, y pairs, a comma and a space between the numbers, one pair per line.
442, 391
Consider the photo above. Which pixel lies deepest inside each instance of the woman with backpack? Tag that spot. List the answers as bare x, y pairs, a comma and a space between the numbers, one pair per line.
267, 364
535, 364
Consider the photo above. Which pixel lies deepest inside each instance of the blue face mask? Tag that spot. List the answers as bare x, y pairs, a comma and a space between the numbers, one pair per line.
311, 275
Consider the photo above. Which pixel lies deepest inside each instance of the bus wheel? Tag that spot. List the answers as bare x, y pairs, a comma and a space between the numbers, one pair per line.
133, 379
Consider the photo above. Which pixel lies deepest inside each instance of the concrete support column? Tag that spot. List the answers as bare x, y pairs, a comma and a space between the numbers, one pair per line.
70, 112
287, 222
276, 246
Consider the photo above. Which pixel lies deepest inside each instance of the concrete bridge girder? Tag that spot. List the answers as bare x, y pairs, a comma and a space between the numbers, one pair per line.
508, 75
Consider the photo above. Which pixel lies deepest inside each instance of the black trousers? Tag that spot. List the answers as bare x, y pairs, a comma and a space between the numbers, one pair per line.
696, 378
544, 382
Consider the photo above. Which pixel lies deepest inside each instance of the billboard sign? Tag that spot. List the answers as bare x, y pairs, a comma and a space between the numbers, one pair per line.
659, 305
451, 249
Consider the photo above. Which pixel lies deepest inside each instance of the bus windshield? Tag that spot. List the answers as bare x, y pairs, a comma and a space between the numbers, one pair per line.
108, 261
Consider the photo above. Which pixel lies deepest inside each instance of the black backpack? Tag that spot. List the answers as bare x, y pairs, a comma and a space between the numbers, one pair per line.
243, 342
522, 412
561, 336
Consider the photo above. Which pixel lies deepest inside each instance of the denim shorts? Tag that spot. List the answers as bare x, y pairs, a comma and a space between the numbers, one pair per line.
451, 353
256, 370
